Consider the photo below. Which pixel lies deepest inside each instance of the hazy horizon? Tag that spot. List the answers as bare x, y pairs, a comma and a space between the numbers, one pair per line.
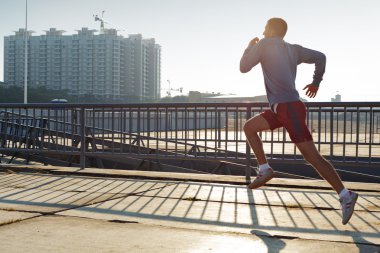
202, 41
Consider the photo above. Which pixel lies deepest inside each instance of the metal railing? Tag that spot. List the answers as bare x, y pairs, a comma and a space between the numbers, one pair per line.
343, 132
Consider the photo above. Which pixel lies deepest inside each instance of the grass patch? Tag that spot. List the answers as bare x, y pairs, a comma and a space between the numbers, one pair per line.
9, 222
191, 199
18, 186
8, 209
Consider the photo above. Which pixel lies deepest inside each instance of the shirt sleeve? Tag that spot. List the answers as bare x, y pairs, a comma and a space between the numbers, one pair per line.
306, 55
251, 57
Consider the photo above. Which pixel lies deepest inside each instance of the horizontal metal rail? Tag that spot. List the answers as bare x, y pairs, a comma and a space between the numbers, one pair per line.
344, 133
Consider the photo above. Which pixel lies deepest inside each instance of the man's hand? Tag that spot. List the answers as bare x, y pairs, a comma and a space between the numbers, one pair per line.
311, 90
253, 42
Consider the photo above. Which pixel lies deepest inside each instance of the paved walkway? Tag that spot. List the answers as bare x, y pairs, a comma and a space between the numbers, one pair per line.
117, 211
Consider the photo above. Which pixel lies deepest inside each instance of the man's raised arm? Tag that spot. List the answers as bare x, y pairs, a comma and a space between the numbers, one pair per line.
250, 56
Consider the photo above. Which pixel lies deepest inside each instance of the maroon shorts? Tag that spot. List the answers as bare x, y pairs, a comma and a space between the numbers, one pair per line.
291, 116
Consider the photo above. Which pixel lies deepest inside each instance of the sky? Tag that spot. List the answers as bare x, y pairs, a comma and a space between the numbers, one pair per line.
203, 40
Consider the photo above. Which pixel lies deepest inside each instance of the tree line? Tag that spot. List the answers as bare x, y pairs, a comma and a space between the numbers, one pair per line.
15, 94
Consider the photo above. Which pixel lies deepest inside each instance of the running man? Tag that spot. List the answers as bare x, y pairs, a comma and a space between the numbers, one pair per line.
279, 61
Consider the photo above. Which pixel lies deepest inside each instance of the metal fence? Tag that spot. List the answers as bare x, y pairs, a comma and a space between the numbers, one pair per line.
343, 132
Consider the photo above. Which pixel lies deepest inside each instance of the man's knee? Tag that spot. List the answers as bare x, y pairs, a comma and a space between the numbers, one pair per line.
249, 127
310, 152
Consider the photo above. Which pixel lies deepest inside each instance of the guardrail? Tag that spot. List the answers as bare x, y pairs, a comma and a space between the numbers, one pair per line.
343, 132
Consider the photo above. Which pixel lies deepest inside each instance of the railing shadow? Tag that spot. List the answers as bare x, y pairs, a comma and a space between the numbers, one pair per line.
283, 212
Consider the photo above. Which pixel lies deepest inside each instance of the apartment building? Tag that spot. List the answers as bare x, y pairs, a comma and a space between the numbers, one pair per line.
106, 65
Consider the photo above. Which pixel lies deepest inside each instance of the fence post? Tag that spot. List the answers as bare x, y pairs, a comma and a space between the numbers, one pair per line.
219, 127
332, 132
248, 149
82, 138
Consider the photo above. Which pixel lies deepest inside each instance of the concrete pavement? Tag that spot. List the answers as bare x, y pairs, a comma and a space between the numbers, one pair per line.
52, 209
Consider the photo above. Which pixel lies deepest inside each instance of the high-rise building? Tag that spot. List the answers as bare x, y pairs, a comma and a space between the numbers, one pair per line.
106, 65
143, 81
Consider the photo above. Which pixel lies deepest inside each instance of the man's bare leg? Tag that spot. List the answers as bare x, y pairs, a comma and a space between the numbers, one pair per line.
327, 171
324, 167
251, 129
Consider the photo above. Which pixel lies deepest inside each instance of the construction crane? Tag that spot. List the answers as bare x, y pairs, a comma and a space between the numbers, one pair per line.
102, 22
169, 90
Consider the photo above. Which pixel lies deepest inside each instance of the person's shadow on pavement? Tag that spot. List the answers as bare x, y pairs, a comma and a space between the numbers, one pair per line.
274, 244
367, 246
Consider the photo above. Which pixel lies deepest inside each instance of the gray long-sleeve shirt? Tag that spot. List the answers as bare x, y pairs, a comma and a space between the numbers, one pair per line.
279, 61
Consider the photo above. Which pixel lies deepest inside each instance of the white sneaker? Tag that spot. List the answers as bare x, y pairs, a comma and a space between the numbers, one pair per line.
262, 178
348, 205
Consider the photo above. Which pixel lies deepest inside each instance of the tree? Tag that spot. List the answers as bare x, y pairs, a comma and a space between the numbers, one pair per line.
15, 94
